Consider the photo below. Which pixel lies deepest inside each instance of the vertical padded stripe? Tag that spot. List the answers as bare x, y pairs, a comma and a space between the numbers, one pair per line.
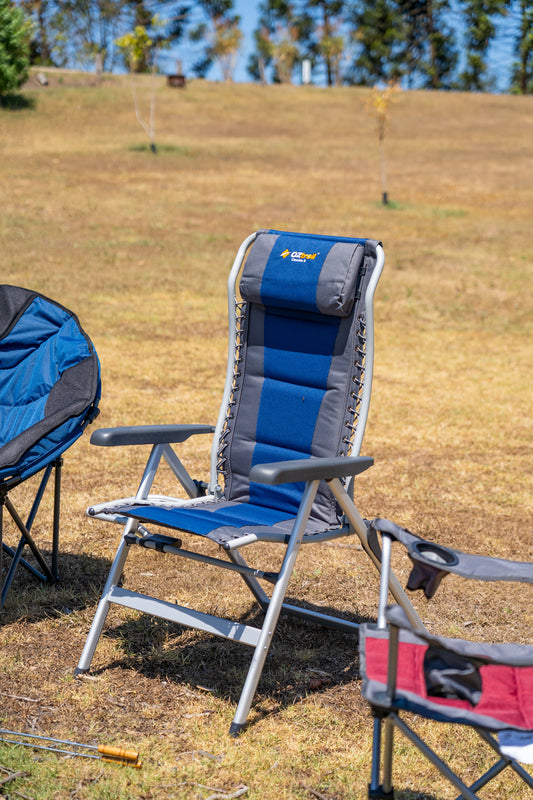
297, 359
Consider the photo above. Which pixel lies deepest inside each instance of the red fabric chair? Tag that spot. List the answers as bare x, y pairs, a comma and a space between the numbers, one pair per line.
488, 687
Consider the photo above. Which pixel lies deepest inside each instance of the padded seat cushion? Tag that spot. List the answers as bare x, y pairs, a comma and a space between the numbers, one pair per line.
218, 520
49, 379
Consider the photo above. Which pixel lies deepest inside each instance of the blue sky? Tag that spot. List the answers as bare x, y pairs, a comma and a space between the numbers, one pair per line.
247, 9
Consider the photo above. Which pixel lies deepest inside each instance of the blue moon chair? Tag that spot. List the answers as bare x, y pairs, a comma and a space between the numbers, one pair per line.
49, 392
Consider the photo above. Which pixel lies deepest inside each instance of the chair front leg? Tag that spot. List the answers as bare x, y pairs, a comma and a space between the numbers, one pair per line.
274, 609
113, 578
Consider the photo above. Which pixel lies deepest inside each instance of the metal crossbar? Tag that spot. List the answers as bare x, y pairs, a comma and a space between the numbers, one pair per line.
48, 573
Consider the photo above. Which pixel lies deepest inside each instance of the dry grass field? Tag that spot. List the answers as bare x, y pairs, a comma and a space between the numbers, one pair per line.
139, 245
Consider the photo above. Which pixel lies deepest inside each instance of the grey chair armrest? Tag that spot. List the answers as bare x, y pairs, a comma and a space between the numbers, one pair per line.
433, 561
147, 434
309, 469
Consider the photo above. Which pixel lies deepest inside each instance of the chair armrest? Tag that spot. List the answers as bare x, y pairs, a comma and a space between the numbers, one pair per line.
433, 561
147, 434
309, 469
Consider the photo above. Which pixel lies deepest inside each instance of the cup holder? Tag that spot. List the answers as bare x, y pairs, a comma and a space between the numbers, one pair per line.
435, 553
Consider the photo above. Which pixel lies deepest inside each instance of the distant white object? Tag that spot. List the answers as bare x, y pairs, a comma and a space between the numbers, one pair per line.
306, 71
42, 79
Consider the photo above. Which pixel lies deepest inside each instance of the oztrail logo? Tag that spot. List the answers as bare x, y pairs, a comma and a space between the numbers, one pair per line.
299, 257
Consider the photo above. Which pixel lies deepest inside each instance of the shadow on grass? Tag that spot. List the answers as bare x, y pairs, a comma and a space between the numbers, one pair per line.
303, 658
80, 584
162, 149
16, 102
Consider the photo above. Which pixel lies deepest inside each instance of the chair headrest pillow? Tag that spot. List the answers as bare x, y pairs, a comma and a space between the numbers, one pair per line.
308, 273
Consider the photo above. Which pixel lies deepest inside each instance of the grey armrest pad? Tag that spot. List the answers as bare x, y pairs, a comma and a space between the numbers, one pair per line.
147, 434
444, 559
309, 469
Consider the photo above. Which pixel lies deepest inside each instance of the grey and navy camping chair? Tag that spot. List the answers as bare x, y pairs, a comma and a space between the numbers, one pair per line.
286, 445
49, 392
409, 674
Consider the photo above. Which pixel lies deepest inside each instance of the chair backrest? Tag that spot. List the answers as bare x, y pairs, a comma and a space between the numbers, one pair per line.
300, 384
50, 384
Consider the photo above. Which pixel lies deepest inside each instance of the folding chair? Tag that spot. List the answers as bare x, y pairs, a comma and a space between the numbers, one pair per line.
488, 687
49, 393
295, 405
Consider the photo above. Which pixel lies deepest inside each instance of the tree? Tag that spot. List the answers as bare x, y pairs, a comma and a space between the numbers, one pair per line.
382, 97
222, 35
86, 29
321, 24
379, 35
430, 54
480, 30
522, 76
290, 31
139, 48
15, 37
41, 49
283, 38
439, 66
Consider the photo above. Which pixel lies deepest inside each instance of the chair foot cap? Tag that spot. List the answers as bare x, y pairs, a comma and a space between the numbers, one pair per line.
380, 794
235, 729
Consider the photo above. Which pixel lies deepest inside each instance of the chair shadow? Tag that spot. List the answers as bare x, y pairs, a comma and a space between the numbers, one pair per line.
303, 658
79, 586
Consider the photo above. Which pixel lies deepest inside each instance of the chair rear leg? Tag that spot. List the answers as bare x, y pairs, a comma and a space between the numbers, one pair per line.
97, 625
252, 583
27, 539
58, 463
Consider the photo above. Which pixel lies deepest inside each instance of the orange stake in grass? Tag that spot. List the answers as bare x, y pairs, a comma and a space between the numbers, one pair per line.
116, 755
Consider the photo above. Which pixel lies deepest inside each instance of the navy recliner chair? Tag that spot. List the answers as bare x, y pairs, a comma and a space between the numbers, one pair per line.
49, 393
286, 445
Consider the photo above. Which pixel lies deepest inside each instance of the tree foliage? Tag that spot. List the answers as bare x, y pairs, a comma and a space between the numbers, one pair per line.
346, 41
323, 21
480, 18
429, 52
15, 37
380, 39
522, 75
277, 39
376, 41
222, 35
87, 27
